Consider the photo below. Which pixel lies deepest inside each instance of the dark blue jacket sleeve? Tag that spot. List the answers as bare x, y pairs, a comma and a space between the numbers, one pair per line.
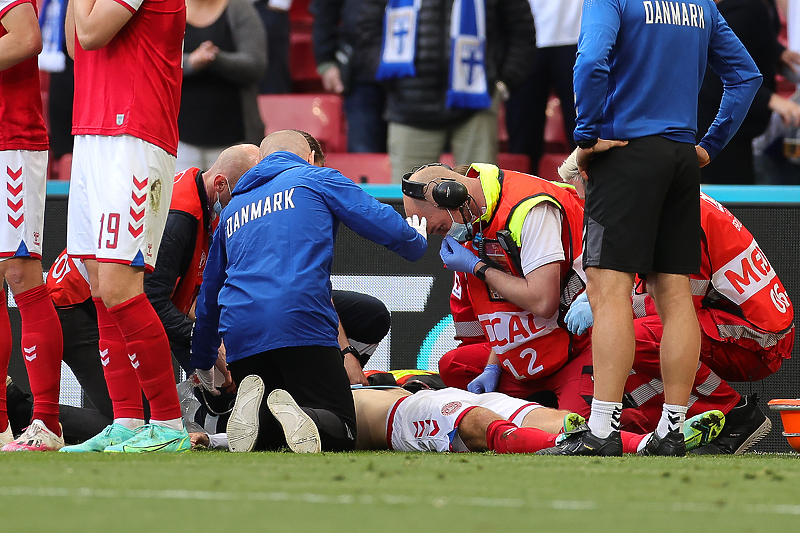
370, 218
741, 79
206, 339
599, 27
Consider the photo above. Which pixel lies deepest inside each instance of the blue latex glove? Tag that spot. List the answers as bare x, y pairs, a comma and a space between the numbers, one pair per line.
457, 258
487, 381
579, 316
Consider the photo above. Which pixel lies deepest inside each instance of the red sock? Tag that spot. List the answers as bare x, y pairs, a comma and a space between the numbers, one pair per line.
5, 357
631, 441
123, 385
43, 349
505, 437
149, 353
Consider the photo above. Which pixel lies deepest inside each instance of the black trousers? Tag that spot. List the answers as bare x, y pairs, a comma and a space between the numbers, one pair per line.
316, 379
364, 318
525, 110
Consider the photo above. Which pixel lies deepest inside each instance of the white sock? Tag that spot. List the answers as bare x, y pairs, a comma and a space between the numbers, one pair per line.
175, 423
604, 418
130, 423
672, 419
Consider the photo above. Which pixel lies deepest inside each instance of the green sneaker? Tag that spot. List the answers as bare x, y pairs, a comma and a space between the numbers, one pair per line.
572, 423
113, 434
154, 438
703, 428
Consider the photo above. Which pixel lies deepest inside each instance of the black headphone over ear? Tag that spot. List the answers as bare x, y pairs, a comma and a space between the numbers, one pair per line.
450, 193
447, 193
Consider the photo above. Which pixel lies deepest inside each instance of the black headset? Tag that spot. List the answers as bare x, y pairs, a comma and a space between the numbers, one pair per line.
447, 193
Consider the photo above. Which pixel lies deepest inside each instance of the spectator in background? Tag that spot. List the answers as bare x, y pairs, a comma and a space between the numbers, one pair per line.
776, 164
275, 17
342, 65
753, 22
224, 57
557, 27
432, 101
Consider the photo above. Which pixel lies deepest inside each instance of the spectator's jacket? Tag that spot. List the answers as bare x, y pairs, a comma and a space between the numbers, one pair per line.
334, 31
737, 294
267, 282
420, 101
529, 346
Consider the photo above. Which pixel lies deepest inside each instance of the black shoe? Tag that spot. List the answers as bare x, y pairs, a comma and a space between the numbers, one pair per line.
583, 442
745, 425
671, 444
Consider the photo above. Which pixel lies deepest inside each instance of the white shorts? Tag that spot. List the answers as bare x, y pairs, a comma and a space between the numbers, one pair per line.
428, 420
22, 221
119, 198
512, 409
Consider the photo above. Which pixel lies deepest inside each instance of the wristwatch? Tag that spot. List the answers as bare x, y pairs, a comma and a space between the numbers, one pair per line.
481, 272
586, 144
350, 349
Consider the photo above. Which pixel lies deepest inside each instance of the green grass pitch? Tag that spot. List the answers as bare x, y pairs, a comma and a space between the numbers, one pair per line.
387, 492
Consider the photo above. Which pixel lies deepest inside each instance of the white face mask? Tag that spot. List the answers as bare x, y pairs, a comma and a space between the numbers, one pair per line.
459, 231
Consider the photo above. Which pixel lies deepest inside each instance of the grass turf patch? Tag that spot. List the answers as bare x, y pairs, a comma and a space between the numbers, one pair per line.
396, 492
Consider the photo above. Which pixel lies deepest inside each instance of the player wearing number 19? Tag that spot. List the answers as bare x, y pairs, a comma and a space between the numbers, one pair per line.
526, 233
127, 91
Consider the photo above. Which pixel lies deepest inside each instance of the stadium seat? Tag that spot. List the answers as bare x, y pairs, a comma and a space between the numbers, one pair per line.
319, 114
517, 162
548, 166
554, 138
362, 168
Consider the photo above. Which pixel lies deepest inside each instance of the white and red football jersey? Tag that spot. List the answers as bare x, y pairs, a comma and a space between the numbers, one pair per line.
21, 121
132, 86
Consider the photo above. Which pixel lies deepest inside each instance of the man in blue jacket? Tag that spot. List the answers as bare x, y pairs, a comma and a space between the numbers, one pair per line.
637, 75
267, 292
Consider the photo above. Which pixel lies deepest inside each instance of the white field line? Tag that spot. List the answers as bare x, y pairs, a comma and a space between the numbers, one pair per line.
386, 499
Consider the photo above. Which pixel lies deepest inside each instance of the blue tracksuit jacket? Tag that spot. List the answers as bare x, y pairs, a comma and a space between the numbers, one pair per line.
267, 282
640, 66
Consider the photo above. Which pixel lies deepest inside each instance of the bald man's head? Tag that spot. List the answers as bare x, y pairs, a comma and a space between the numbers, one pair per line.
231, 165
233, 162
286, 141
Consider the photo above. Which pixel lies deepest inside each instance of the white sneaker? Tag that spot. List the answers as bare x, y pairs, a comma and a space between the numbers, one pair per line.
242, 425
301, 432
36, 437
6, 436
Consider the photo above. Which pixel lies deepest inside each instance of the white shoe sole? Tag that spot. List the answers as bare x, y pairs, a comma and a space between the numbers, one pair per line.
762, 431
243, 424
301, 433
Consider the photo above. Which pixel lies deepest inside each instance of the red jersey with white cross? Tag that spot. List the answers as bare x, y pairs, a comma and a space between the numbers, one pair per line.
132, 86
21, 121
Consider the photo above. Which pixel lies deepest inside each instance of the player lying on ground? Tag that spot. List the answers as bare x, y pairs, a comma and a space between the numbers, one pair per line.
453, 420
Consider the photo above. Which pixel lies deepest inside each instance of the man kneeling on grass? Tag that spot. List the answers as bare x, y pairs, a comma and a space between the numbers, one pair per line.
454, 420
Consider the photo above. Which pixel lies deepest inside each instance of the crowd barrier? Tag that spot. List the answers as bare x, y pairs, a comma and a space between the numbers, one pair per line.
417, 294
